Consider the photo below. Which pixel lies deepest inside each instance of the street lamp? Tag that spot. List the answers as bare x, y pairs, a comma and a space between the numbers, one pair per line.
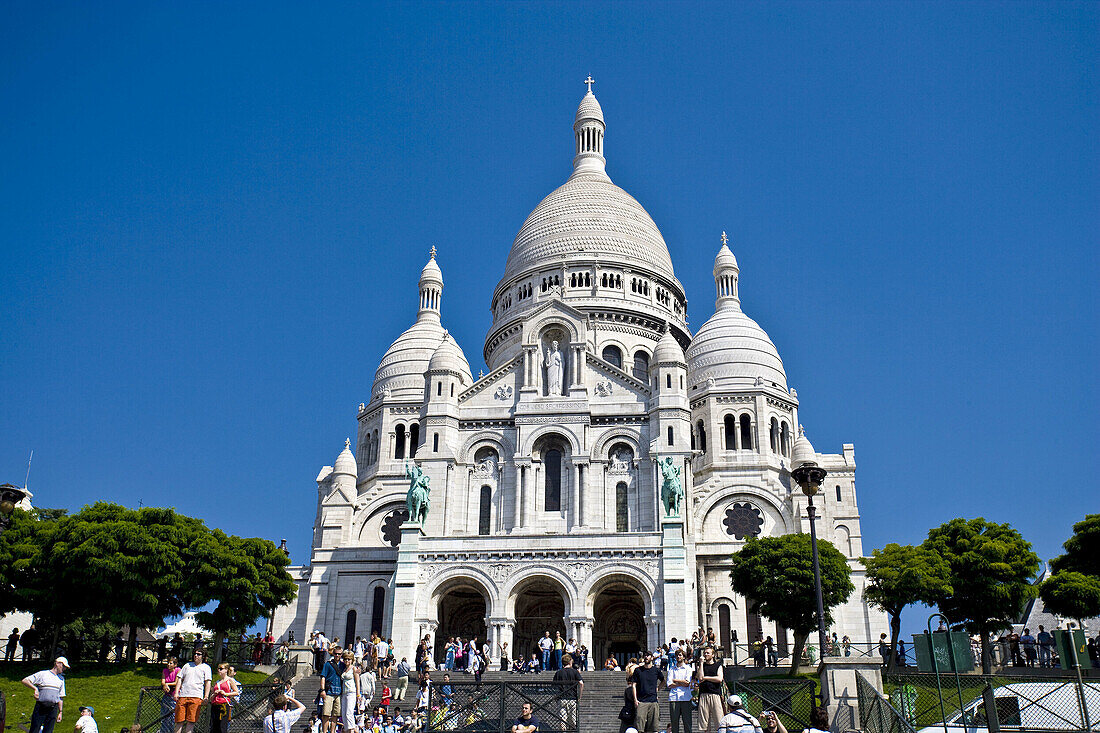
809, 477
10, 495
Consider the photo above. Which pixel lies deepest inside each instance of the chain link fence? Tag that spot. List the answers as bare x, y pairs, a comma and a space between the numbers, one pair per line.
1034, 704
791, 700
876, 714
156, 709
495, 706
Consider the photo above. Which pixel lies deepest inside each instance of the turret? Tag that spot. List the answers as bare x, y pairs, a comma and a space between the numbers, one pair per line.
588, 129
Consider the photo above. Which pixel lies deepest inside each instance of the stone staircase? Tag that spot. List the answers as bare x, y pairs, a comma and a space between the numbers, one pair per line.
599, 707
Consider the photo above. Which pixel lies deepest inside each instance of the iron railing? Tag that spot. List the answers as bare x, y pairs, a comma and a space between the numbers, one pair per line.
876, 714
495, 706
156, 709
1033, 703
791, 699
247, 653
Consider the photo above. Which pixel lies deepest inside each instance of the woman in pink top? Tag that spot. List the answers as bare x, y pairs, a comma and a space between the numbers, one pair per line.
221, 695
168, 702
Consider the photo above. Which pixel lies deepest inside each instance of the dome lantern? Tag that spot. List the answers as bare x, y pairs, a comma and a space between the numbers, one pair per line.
588, 131
725, 276
431, 289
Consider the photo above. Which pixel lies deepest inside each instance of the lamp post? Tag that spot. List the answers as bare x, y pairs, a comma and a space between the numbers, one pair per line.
10, 495
809, 477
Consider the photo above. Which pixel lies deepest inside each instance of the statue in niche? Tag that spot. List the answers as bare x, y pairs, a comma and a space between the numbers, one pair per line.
487, 466
621, 460
672, 491
416, 500
554, 368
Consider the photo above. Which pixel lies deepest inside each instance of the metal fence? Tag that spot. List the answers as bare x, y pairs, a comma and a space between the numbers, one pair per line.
1033, 704
246, 653
791, 700
495, 706
156, 710
876, 714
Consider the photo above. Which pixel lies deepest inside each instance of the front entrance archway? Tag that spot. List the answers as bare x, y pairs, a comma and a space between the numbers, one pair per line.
462, 611
619, 623
540, 607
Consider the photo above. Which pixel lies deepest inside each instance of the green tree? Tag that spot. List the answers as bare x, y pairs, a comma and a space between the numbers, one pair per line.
247, 579
991, 567
1074, 588
899, 575
1071, 594
776, 574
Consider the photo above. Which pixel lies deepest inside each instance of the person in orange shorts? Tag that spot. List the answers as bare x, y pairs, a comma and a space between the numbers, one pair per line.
192, 688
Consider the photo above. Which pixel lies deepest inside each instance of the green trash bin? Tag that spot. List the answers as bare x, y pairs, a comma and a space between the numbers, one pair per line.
1063, 641
960, 661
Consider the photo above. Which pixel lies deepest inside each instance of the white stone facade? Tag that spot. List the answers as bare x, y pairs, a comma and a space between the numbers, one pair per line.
545, 497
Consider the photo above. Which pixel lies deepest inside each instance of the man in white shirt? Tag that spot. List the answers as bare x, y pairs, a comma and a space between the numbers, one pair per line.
679, 693
546, 644
49, 696
192, 689
86, 722
320, 651
738, 719
281, 720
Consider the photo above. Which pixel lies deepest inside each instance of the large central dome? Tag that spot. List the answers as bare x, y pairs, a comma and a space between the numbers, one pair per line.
589, 218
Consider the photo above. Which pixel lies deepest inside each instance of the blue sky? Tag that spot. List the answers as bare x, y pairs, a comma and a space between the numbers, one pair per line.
212, 219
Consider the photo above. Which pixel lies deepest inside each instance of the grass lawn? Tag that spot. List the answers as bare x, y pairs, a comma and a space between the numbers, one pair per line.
112, 689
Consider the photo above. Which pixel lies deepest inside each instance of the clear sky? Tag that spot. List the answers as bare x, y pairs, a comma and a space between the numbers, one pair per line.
213, 217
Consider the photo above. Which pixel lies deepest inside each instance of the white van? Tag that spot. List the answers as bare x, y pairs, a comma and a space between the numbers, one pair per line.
1030, 706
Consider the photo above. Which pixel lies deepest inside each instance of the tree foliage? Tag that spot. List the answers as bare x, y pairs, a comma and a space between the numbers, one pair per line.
991, 569
900, 575
1074, 588
776, 574
108, 563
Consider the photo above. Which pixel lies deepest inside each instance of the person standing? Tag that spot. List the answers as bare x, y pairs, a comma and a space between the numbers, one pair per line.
282, 720
570, 686
49, 695
351, 692
738, 720
679, 692
13, 641
709, 675
402, 682
320, 651
192, 688
332, 686
546, 645
1045, 641
503, 656
644, 683
168, 699
559, 647
220, 711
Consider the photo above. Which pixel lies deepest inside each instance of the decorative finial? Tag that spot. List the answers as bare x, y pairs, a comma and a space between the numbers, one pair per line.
589, 81
725, 239
347, 443
433, 252
801, 431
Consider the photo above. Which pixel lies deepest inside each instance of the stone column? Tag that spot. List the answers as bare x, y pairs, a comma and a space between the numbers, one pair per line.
674, 579
575, 496
517, 508
582, 477
405, 587
531, 501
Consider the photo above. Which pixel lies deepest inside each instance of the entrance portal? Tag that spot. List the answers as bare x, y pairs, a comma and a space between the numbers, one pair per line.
619, 628
539, 608
461, 614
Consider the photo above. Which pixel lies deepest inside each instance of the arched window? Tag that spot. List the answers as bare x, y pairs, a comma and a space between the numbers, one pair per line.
485, 509
414, 439
838, 493
670, 438
349, 625
785, 439
622, 513
773, 435
746, 432
691, 431
613, 356
552, 467
378, 610
641, 365
374, 453
452, 389
701, 436
439, 389
729, 432
399, 443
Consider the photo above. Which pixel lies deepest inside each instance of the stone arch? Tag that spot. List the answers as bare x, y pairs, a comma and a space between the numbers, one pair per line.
460, 603
565, 586
630, 436
842, 539
567, 435
551, 320
619, 605
365, 516
724, 494
612, 573
539, 600
503, 446
451, 578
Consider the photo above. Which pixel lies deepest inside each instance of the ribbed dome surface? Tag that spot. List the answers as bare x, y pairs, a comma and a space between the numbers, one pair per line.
345, 462
402, 368
732, 347
586, 218
668, 350
589, 109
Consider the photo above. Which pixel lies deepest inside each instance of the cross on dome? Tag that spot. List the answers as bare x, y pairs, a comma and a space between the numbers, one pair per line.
347, 443
725, 239
432, 252
589, 81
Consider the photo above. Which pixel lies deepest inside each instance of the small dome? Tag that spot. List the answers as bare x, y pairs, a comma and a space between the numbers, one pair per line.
803, 451
431, 272
589, 109
405, 363
732, 349
448, 357
345, 462
725, 259
668, 350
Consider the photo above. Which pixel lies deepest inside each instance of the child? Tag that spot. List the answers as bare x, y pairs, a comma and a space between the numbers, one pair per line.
314, 724
385, 696
86, 722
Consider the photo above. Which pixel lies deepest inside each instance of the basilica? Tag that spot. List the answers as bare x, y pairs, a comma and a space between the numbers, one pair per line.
543, 476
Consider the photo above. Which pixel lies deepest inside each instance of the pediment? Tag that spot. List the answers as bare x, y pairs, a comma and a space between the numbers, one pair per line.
552, 312
605, 372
